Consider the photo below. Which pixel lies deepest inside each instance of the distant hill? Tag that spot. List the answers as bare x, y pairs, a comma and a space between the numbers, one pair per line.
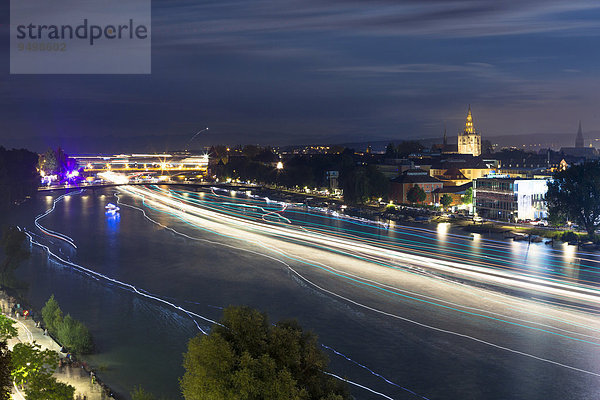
532, 141
113, 144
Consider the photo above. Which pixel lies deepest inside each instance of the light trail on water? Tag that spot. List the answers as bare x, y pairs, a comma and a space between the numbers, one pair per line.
52, 233
138, 291
548, 272
184, 215
473, 272
199, 196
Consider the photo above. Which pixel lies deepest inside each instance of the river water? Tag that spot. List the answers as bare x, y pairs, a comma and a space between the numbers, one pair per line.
429, 337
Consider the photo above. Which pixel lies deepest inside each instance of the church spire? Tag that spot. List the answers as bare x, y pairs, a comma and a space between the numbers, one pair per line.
469, 129
445, 137
579, 138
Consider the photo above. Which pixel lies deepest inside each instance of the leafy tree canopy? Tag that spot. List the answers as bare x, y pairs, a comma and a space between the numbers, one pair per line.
468, 197
46, 387
52, 315
18, 176
29, 362
140, 394
13, 243
7, 328
247, 358
575, 194
446, 200
5, 369
416, 194
71, 333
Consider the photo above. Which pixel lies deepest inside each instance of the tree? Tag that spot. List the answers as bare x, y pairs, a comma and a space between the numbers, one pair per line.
390, 150
575, 193
28, 362
52, 315
75, 336
486, 147
45, 387
7, 329
446, 200
5, 372
468, 197
18, 176
379, 185
247, 358
416, 194
71, 333
140, 394
65, 332
15, 252
408, 147
557, 218
84, 344
48, 163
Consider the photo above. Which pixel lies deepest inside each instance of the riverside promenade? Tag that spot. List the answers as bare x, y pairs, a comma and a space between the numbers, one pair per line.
85, 387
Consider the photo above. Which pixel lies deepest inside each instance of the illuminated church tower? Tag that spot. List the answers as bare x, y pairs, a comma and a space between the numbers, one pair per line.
469, 141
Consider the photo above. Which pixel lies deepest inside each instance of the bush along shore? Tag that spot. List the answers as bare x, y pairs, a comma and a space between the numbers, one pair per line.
73, 335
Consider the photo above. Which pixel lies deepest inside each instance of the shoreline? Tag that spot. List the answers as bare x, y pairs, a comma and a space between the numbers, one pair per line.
409, 215
378, 214
72, 370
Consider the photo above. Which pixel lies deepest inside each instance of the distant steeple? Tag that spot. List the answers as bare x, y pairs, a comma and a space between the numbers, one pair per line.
445, 137
579, 138
469, 129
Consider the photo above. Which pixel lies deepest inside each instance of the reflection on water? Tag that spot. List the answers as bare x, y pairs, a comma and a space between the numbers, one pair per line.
141, 342
442, 231
570, 260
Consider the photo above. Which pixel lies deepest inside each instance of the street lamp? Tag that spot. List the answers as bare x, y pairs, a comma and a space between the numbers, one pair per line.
279, 169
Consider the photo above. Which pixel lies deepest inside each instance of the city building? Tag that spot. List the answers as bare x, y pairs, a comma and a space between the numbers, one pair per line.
332, 178
413, 177
523, 164
457, 193
510, 199
580, 150
457, 170
392, 167
445, 147
469, 141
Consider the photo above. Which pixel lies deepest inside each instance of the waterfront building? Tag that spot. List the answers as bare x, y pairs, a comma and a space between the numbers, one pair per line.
414, 177
457, 193
469, 141
510, 199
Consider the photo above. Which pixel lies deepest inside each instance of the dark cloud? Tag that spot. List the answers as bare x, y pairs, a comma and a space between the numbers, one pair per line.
291, 71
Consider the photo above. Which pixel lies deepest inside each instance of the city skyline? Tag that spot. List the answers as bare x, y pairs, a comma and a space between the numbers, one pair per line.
292, 73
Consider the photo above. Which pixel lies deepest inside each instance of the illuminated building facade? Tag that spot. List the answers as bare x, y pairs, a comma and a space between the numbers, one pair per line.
413, 177
510, 199
469, 141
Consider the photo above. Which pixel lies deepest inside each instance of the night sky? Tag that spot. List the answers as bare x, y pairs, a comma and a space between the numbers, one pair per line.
291, 71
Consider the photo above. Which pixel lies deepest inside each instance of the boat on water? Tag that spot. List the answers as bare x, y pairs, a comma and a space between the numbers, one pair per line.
111, 208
